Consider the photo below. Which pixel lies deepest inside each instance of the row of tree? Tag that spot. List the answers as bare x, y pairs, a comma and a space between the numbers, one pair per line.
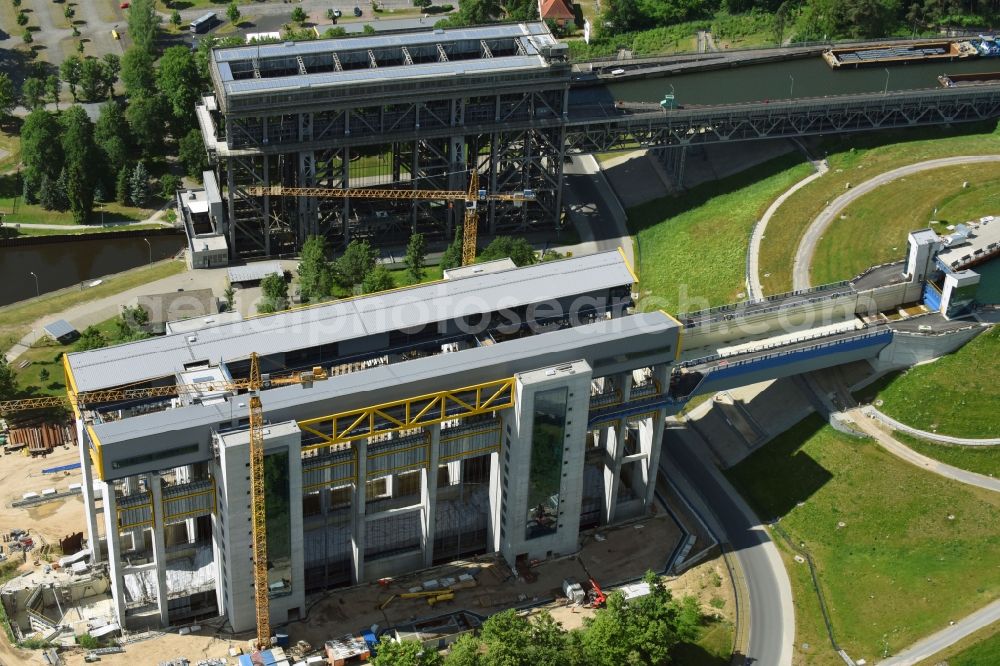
812, 19
639, 632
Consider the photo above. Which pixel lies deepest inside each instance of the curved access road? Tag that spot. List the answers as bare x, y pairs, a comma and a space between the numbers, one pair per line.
772, 613
930, 436
754, 288
807, 246
867, 425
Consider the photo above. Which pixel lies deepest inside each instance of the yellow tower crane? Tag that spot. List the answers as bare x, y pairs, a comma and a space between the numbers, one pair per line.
471, 197
254, 384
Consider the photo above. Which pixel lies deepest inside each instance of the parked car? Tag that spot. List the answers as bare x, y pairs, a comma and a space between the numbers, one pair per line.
357, 11
124, 5
337, 13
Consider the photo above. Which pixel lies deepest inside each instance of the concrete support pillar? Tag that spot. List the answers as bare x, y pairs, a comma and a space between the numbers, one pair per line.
185, 474
114, 551
159, 548
454, 472
89, 508
496, 494
358, 513
428, 496
615, 448
650, 443
136, 533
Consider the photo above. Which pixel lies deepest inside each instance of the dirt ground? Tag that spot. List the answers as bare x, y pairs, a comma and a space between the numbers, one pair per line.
53, 520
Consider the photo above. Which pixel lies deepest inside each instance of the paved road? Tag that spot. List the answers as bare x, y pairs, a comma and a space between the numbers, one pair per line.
869, 426
772, 614
600, 220
948, 636
754, 287
807, 246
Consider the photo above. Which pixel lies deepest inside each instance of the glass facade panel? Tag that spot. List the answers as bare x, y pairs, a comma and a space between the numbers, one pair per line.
545, 473
279, 527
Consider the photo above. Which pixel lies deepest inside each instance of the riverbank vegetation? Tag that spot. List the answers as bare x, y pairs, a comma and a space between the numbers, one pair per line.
854, 159
692, 247
889, 576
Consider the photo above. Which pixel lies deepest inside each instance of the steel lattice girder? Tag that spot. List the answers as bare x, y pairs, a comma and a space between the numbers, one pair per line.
410, 413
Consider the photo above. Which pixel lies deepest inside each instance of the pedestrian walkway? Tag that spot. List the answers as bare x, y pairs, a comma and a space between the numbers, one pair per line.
928, 647
932, 436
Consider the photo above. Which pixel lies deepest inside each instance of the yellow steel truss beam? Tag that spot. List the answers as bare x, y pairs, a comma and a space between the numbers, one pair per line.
259, 518
420, 411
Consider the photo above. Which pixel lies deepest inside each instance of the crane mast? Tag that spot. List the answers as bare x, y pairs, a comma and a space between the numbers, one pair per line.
259, 521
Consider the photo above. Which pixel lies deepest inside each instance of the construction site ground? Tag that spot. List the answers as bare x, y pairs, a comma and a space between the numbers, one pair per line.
612, 556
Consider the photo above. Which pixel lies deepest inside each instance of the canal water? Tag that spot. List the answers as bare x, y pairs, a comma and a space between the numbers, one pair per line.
989, 282
806, 77
76, 261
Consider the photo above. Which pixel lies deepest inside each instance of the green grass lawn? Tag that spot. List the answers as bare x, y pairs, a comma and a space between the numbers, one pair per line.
46, 354
401, 279
980, 459
899, 569
73, 231
16, 319
855, 159
692, 247
35, 214
713, 647
955, 395
980, 649
875, 228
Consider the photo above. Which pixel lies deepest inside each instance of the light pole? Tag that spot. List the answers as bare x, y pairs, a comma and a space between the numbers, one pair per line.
37, 291
150, 251
885, 90
791, 87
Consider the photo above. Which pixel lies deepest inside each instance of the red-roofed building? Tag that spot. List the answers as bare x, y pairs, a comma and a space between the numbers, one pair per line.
560, 11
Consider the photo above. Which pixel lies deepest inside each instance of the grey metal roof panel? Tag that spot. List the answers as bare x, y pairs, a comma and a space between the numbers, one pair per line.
59, 328
539, 31
255, 271
644, 332
352, 76
152, 358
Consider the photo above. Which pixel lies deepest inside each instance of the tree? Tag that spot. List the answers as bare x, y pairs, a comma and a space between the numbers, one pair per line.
466, 651
44, 375
175, 18
640, 631
53, 88
622, 16
169, 184
333, 33
274, 293
378, 279
121, 185
41, 149
145, 115
16, 3
138, 185
112, 136
69, 12
405, 653
230, 295
81, 156
22, 18
142, 25
368, 29
8, 381
354, 265
27, 37
91, 338
517, 249
33, 93
137, 73
69, 70
112, 67
315, 271
423, 4
8, 99
191, 152
178, 82
299, 15
233, 12
131, 324
93, 80
416, 254
452, 256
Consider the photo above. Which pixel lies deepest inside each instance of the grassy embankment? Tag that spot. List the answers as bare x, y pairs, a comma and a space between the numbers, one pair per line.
980, 459
692, 247
855, 159
874, 230
16, 319
911, 555
955, 395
